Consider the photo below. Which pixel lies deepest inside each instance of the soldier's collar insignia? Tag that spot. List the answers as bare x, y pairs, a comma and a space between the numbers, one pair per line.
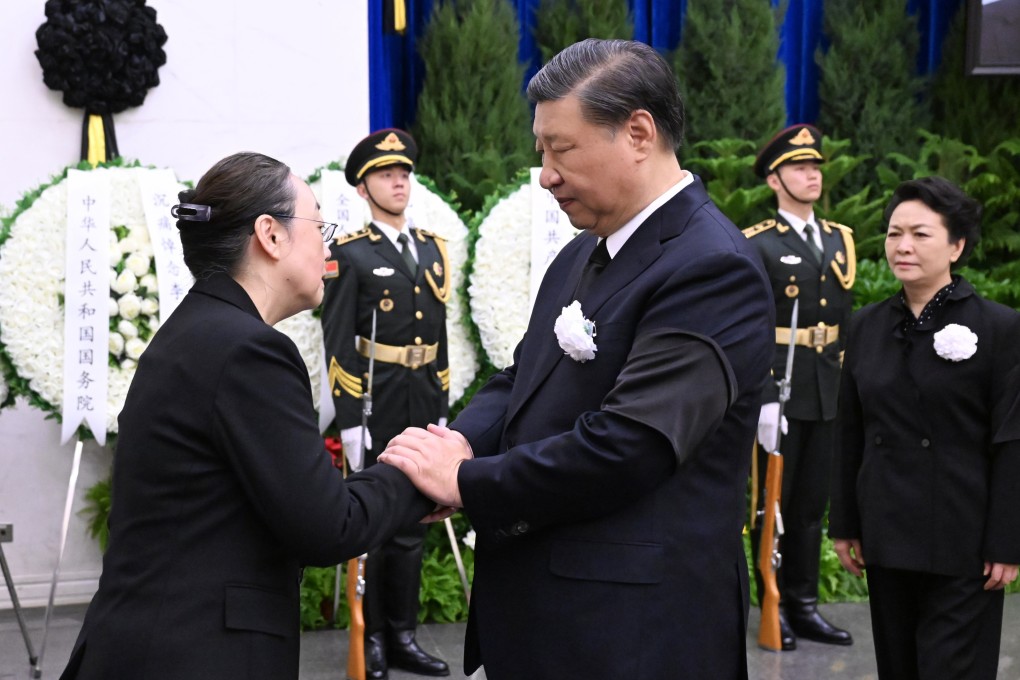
802, 138
391, 143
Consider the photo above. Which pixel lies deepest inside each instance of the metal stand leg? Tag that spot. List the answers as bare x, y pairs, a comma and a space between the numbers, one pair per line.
72, 482
6, 534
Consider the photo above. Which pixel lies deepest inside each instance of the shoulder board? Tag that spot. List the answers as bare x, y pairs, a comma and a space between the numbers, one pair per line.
425, 232
347, 238
764, 225
836, 225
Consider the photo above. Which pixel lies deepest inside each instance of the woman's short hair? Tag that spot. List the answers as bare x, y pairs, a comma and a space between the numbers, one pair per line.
612, 79
237, 190
960, 213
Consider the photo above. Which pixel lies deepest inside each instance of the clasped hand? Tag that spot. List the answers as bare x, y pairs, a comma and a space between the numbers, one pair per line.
430, 458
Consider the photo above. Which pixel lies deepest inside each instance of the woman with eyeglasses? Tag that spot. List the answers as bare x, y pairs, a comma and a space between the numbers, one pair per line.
222, 489
928, 463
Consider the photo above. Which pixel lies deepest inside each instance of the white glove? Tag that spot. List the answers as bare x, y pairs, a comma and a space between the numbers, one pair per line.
441, 422
351, 439
768, 430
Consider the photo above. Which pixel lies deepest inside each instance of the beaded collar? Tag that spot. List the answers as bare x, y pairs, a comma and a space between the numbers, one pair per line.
923, 322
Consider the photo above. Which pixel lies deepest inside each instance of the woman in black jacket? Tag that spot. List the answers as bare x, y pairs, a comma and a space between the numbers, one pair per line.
928, 466
222, 489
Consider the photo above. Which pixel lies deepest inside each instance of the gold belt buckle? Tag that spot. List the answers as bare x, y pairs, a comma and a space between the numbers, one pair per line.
818, 336
415, 355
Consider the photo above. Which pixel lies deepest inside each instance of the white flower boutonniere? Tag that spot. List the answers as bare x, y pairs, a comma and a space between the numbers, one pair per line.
575, 333
955, 342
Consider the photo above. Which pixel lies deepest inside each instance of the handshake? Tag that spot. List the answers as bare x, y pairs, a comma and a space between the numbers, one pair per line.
430, 458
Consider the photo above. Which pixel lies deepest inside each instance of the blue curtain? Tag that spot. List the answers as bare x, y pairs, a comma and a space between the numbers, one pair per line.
396, 70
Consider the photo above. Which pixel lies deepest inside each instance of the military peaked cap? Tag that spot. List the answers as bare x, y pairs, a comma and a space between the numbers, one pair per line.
796, 143
380, 149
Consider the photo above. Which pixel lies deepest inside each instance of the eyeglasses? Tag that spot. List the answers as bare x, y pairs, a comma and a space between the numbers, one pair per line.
327, 228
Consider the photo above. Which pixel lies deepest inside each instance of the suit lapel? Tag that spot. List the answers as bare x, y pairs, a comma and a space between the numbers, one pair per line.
639, 252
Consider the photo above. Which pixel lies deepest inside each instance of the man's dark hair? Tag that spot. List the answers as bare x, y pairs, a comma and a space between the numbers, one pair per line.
612, 79
238, 189
960, 213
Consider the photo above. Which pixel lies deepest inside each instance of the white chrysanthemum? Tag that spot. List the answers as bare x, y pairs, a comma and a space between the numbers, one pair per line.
138, 264
430, 212
126, 282
134, 347
32, 278
129, 306
127, 329
150, 306
148, 282
955, 342
116, 344
500, 285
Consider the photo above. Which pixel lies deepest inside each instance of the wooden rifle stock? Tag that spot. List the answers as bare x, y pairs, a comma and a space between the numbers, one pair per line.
356, 566
769, 636
356, 641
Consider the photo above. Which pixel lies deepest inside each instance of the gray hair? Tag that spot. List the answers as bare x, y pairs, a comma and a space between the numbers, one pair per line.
612, 79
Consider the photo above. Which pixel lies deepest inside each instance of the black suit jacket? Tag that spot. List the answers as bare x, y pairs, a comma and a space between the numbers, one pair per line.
222, 490
609, 496
928, 466
825, 298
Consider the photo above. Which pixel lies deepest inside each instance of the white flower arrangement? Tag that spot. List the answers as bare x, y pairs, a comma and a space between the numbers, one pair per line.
431, 212
575, 333
134, 307
32, 278
955, 342
500, 284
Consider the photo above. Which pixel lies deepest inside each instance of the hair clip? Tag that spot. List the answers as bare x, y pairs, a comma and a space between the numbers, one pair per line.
191, 212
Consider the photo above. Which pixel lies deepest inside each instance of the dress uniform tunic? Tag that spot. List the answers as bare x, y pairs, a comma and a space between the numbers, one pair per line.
410, 308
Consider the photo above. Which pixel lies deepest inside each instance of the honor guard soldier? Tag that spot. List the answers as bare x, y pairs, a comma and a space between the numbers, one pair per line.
813, 261
397, 274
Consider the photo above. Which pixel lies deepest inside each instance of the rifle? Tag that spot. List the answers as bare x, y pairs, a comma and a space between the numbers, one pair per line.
355, 595
356, 565
769, 557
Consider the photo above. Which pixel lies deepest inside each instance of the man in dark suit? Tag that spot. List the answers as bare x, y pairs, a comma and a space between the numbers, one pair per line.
397, 274
609, 464
810, 261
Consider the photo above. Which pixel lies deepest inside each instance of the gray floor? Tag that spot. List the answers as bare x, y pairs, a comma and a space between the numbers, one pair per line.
323, 653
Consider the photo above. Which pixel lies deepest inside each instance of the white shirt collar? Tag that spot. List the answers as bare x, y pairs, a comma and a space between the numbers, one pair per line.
798, 225
392, 233
615, 241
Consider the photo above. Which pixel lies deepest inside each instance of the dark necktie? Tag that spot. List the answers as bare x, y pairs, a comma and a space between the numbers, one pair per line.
809, 238
596, 263
405, 252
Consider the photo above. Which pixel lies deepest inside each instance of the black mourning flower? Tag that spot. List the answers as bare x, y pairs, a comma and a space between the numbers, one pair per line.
102, 54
